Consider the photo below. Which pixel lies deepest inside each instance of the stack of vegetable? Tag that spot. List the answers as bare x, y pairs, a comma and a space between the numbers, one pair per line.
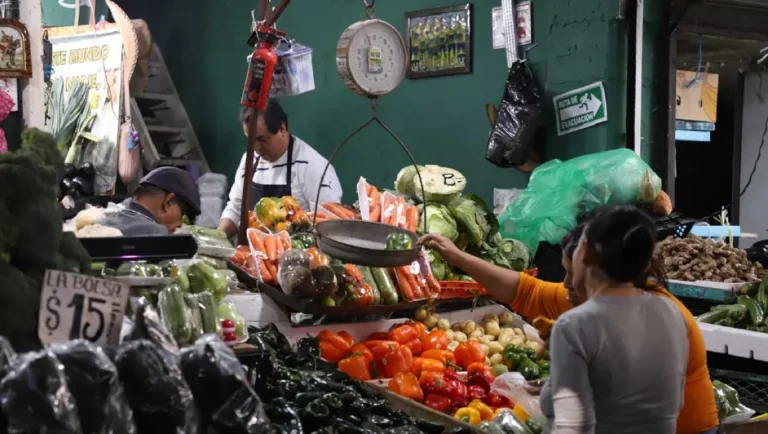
748, 312
693, 258
279, 214
31, 236
463, 218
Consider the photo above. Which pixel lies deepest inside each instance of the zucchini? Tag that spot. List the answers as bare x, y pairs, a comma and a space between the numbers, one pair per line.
207, 312
754, 310
385, 285
368, 277
712, 316
174, 313
196, 320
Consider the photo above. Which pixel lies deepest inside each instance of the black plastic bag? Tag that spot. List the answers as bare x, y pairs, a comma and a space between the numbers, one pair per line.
516, 120
93, 381
156, 391
7, 354
148, 326
218, 382
35, 397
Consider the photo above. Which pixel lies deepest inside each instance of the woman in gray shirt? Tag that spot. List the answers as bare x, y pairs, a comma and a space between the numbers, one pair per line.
619, 360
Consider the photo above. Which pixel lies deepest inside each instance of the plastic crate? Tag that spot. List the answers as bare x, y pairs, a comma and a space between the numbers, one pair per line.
752, 388
468, 289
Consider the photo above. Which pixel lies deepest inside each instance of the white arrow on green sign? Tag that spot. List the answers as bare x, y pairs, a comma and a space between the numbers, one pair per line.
580, 108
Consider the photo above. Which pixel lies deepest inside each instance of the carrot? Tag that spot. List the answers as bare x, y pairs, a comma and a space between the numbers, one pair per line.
374, 215
405, 287
270, 245
417, 293
412, 218
253, 237
284, 242
272, 270
339, 210
353, 272
432, 283
388, 209
264, 271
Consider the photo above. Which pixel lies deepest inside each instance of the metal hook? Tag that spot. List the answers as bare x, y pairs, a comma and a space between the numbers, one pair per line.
370, 8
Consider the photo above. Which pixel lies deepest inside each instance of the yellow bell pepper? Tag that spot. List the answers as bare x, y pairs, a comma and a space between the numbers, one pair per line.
469, 415
520, 413
485, 412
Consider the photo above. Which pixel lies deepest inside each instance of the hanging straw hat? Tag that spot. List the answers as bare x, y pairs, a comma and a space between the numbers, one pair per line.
137, 43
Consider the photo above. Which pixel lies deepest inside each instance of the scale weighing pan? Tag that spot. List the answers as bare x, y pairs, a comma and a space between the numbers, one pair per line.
364, 243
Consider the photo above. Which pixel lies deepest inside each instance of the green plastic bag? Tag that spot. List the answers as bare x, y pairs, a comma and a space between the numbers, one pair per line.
560, 191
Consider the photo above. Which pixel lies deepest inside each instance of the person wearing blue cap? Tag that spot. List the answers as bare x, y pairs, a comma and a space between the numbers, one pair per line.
158, 205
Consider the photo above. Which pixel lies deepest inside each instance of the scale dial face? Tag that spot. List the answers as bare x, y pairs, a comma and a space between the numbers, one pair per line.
370, 58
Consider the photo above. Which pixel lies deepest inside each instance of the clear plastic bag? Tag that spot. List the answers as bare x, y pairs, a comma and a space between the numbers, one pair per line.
156, 390
392, 209
294, 274
219, 384
517, 119
560, 191
196, 324
175, 315
510, 424
93, 380
729, 407
207, 308
267, 249
210, 242
35, 397
369, 200
512, 386
416, 281
226, 310
147, 325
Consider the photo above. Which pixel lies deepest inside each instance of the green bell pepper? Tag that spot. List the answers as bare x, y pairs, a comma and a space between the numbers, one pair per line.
529, 369
399, 241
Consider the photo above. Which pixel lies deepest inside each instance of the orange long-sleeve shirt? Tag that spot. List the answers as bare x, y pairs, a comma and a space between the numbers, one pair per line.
537, 298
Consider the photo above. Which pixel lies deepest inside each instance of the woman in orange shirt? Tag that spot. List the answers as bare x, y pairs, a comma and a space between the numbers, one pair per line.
532, 298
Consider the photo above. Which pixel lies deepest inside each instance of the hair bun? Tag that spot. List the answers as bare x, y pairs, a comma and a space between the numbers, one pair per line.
638, 237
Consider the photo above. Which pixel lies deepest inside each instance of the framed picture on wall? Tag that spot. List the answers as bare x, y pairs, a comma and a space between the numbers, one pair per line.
15, 59
439, 41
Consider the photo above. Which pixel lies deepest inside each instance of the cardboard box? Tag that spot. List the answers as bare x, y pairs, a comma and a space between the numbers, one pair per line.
696, 98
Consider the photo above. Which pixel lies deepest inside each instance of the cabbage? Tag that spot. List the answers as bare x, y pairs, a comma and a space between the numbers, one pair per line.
475, 220
507, 253
406, 180
437, 264
439, 221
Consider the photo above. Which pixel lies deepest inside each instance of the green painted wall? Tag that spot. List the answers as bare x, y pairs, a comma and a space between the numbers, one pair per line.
55, 15
442, 120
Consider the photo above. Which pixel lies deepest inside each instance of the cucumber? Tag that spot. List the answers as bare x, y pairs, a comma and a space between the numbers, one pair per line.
713, 316
174, 313
754, 310
385, 285
368, 277
196, 323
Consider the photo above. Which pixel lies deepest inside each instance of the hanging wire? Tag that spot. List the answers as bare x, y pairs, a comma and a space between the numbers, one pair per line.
698, 67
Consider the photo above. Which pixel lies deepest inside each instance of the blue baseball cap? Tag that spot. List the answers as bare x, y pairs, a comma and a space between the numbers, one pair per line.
176, 181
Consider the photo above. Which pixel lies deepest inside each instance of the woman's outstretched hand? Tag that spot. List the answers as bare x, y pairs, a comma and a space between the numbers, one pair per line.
443, 246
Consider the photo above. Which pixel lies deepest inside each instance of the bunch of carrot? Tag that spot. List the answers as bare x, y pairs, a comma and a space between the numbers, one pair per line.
396, 211
244, 259
335, 211
269, 248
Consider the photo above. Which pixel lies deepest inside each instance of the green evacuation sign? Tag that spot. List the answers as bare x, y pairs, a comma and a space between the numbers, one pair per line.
580, 108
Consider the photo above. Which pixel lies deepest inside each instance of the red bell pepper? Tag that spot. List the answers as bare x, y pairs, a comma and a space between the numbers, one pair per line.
483, 379
476, 392
497, 401
457, 391
440, 403
434, 383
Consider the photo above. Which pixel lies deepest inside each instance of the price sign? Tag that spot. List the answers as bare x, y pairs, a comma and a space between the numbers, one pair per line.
75, 306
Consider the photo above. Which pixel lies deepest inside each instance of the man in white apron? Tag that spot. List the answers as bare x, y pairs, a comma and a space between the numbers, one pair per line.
284, 165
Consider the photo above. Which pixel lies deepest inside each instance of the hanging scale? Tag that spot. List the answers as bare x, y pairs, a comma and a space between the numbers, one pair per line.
370, 56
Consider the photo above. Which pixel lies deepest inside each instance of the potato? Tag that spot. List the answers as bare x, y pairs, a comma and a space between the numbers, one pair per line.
484, 340
495, 347
457, 327
443, 324
476, 334
431, 321
519, 332
469, 326
496, 358
485, 348
518, 341
473, 339
487, 361
452, 345
490, 317
460, 337
492, 328
506, 319
491, 338
481, 328
505, 338
536, 347
451, 335
420, 314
